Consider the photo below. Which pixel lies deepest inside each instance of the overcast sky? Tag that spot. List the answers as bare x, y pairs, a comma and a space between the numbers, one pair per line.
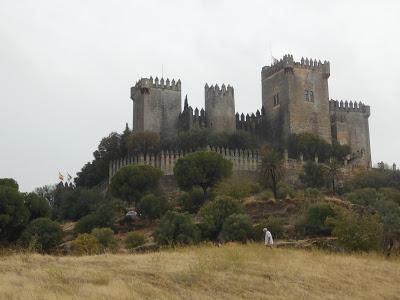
66, 67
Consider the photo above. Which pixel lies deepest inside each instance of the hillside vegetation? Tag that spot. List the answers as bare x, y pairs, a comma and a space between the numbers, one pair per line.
231, 271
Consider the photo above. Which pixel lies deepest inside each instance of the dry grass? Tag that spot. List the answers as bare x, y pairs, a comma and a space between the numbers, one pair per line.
206, 272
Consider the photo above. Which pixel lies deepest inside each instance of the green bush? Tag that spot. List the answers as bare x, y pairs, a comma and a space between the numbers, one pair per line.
44, 233
132, 182
102, 217
283, 190
214, 214
265, 195
312, 195
13, 214
377, 178
105, 236
357, 233
365, 196
191, 201
237, 227
134, 239
152, 207
275, 226
86, 244
237, 187
37, 206
313, 222
176, 228
313, 176
391, 194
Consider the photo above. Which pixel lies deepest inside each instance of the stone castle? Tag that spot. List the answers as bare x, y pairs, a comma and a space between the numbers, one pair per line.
295, 99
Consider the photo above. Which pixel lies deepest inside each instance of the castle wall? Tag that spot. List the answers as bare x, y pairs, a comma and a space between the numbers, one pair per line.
220, 108
350, 126
157, 106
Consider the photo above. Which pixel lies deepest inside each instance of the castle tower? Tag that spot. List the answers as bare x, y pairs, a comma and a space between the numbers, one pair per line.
156, 106
220, 108
350, 127
296, 98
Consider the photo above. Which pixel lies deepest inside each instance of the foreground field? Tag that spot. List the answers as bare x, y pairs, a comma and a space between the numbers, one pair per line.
206, 272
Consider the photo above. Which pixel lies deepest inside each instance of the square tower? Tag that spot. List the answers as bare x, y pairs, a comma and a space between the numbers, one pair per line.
156, 106
296, 98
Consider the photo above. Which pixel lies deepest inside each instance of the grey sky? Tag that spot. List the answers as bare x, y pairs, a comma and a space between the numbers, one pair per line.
66, 66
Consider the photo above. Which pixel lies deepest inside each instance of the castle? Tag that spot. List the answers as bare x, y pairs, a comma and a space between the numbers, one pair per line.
295, 99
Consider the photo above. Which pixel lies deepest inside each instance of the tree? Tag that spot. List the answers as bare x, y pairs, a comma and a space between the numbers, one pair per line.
131, 182
175, 229
44, 233
152, 207
203, 169
332, 174
271, 167
309, 145
214, 213
192, 200
13, 213
37, 206
47, 192
134, 239
237, 227
193, 139
9, 182
104, 216
314, 175
314, 222
143, 142
105, 236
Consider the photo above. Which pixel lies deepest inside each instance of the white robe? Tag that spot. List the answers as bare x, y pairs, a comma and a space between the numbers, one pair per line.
268, 237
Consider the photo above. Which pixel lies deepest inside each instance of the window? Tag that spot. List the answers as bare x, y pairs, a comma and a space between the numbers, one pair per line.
308, 96
276, 99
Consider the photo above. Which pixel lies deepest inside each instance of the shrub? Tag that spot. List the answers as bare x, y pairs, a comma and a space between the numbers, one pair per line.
357, 233
283, 190
134, 239
366, 196
237, 227
102, 217
313, 175
237, 187
313, 195
37, 206
391, 194
314, 223
192, 200
202, 169
176, 228
45, 233
214, 213
275, 226
86, 244
131, 182
152, 207
265, 195
105, 236
13, 214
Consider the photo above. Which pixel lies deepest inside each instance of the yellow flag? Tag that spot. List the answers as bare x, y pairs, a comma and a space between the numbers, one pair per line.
60, 176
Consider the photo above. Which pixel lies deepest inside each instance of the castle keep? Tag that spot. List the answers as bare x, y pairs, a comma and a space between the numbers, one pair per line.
295, 99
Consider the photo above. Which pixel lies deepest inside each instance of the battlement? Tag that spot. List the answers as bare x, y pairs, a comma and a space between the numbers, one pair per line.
287, 63
158, 83
349, 106
216, 90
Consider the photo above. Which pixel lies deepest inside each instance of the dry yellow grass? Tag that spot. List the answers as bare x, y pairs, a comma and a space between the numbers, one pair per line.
205, 272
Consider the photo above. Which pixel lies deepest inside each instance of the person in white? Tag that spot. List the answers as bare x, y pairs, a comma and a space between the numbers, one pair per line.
268, 238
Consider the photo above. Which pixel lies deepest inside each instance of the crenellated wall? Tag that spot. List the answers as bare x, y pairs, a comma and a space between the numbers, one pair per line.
242, 160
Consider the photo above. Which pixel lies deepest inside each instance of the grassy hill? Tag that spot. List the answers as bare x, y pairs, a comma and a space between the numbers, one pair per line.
206, 272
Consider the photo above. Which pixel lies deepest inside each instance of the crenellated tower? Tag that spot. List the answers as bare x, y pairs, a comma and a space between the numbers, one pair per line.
296, 98
220, 108
156, 106
349, 121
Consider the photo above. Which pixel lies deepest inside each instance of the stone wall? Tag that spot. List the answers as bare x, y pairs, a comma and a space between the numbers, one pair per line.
156, 106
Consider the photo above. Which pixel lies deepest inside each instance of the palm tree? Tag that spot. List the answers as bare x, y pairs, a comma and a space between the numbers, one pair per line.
271, 166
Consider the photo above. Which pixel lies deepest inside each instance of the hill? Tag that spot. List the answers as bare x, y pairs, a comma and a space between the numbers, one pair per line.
207, 272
